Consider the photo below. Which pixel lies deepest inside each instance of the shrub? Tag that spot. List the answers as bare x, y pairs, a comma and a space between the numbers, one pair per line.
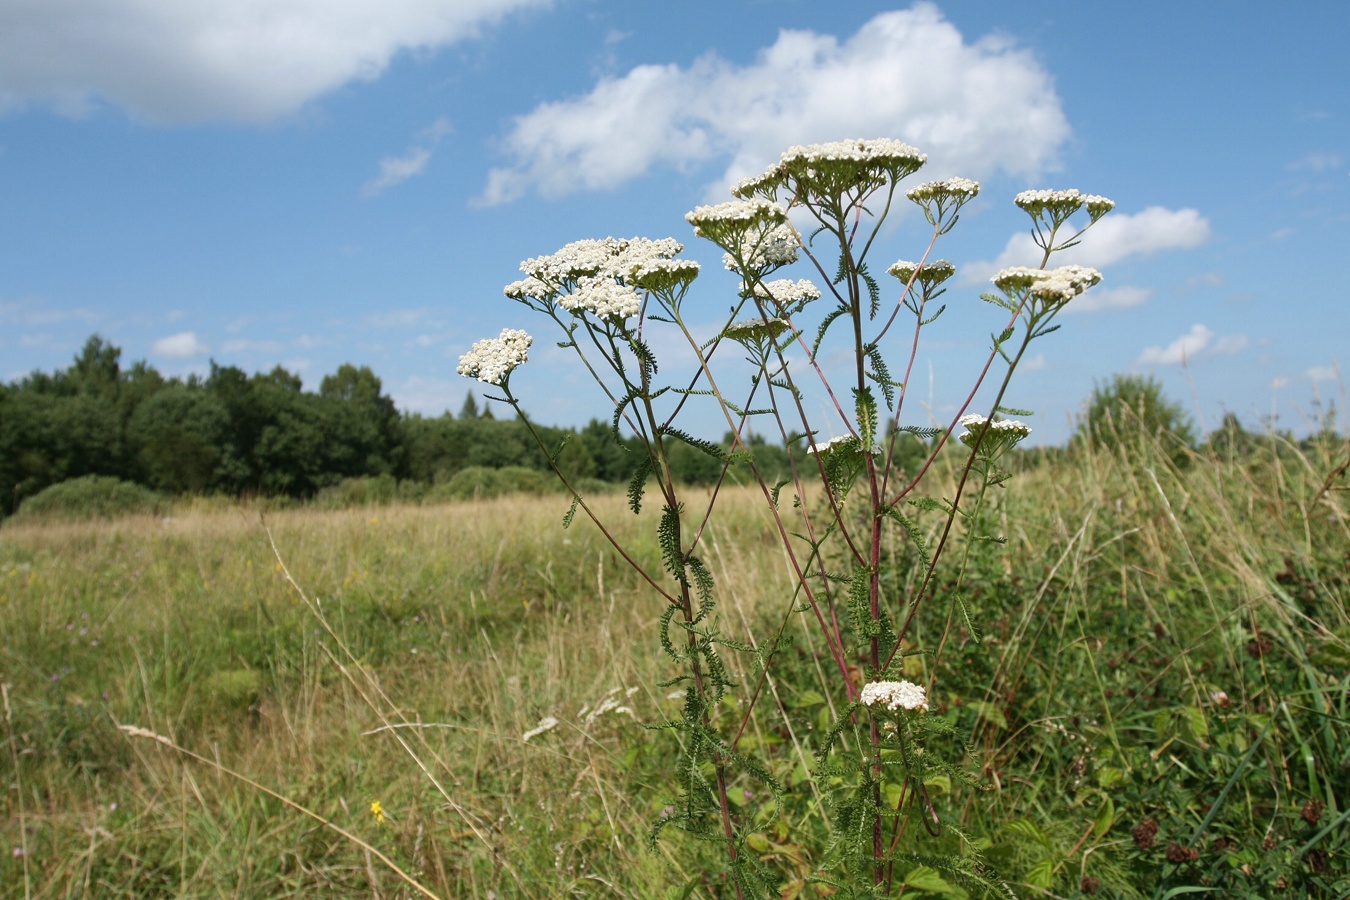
481, 483
91, 497
1131, 408
378, 490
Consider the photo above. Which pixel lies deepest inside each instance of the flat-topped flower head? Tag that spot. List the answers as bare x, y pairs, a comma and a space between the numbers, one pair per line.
492, 359
786, 294
1053, 287
1097, 205
1061, 285
930, 274
1016, 279
612, 257
603, 276
815, 171
993, 437
664, 274
736, 223
949, 190
764, 251
895, 696
757, 330
1058, 203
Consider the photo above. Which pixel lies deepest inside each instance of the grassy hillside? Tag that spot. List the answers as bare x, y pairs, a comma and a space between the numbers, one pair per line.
1157, 698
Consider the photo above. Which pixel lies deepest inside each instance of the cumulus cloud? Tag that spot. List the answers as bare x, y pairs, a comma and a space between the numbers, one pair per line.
1199, 340
1116, 237
183, 345
1103, 298
242, 60
973, 107
1180, 350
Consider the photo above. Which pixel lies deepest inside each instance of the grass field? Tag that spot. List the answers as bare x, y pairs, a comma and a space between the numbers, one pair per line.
1159, 699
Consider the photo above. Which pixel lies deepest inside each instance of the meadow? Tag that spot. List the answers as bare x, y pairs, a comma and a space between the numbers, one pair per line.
1157, 691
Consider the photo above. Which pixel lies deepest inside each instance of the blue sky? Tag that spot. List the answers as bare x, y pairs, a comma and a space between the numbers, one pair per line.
312, 182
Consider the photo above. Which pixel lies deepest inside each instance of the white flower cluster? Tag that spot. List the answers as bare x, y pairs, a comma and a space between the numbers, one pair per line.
492, 359
958, 189
603, 297
529, 287
1065, 283
895, 695
610, 703
993, 437
602, 277
1010, 426
547, 723
788, 294
880, 153
614, 257
764, 251
1063, 204
709, 221
931, 274
836, 165
844, 442
1055, 286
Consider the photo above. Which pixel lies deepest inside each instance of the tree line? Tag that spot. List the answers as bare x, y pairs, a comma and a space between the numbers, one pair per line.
263, 434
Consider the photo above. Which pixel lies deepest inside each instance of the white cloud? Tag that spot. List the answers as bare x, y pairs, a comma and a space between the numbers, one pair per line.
183, 345
1180, 350
1230, 344
1037, 363
241, 60
244, 346
1102, 298
973, 107
1324, 373
1317, 161
395, 170
1116, 237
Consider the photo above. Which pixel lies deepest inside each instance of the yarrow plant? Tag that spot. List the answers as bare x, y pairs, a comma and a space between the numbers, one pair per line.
843, 501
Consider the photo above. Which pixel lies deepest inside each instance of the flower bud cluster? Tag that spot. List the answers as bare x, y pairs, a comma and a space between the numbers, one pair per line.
931, 274
1062, 204
957, 189
895, 695
492, 359
757, 329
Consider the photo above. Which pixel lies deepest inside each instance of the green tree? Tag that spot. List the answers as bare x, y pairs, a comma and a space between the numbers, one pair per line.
364, 424
1129, 408
178, 438
470, 408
